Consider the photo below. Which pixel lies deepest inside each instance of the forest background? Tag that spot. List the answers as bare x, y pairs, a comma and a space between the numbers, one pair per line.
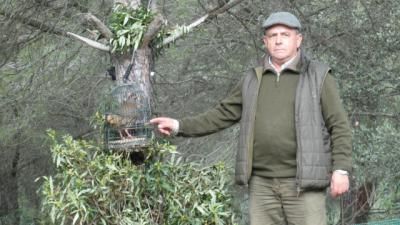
49, 80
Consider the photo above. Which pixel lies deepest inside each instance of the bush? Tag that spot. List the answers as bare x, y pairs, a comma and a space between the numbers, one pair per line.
92, 186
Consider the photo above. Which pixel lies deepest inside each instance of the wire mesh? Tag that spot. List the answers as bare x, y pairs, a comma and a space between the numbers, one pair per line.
126, 119
382, 222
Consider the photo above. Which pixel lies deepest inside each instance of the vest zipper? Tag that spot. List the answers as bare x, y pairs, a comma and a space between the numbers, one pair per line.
247, 166
278, 74
298, 191
299, 142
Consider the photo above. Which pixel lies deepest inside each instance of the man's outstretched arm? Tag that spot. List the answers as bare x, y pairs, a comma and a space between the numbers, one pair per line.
166, 125
223, 115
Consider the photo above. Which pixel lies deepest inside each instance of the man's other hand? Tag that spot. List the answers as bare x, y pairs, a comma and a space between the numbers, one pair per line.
339, 184
165, 125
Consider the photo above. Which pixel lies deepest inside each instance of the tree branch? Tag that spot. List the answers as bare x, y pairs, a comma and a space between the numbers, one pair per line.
202, 19
152, 30
155, 25
325, 41
39, 25
101, 27
129, 3
224, 8
390, 115
90, 42
189, 28
373, 24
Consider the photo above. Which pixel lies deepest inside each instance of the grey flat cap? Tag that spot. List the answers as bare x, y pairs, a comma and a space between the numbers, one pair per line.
284, 18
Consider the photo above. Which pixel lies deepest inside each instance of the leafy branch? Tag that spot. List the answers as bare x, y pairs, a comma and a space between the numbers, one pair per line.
92, 186
128, 26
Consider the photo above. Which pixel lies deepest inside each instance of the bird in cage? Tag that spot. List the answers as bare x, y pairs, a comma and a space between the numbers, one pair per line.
125, 115
120, 123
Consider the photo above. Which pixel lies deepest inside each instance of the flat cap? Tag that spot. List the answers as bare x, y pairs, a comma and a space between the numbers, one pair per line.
283, 18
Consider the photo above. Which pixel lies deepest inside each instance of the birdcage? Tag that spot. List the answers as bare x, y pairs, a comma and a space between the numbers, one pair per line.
126, 119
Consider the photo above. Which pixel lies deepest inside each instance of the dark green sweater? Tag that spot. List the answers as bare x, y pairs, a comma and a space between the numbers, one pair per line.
274, 146
275, 135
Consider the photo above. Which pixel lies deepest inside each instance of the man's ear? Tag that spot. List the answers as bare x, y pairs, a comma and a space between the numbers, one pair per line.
265, 41
299, 40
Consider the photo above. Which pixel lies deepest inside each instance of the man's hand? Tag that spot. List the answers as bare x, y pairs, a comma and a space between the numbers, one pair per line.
165, 125
339, 184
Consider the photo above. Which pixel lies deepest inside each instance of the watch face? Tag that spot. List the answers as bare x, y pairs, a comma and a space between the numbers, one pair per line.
342, 172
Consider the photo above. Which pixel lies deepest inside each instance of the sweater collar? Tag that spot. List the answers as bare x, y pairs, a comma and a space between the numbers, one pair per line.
293, 64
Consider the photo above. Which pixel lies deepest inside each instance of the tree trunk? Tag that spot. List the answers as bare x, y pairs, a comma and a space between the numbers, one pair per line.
9, 186
139, 74
364, 198
140, 61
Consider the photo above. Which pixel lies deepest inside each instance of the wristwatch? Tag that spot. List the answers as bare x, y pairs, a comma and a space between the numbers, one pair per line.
342, 172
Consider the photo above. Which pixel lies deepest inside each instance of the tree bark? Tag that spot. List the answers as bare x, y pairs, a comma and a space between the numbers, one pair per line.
9, 186
139, 74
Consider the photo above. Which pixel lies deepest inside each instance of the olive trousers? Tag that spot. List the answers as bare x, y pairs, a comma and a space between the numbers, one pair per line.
275, 201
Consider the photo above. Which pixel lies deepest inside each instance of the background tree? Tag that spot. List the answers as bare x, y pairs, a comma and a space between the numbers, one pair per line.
49, 80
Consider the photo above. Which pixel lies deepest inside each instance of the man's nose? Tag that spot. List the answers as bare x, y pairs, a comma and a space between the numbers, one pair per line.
278, 39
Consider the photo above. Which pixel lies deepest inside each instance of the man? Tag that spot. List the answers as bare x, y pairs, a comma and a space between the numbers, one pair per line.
293, 130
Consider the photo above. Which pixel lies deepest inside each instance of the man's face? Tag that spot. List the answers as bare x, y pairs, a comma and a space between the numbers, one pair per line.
282, 43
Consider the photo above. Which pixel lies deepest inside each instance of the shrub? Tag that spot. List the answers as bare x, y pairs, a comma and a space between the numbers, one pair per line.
92, 186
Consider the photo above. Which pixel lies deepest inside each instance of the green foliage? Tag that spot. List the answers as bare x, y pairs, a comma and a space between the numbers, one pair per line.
129, 26
93, 187
376, 160
97, 121
374, 151
157, 43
